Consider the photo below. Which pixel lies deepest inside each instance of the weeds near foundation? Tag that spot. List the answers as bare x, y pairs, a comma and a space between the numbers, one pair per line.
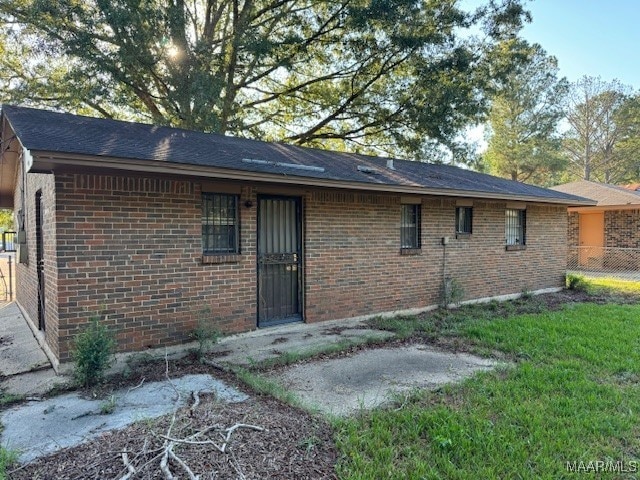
452, 293
526, 294
440, 323
205, 333
93, 353
288, 358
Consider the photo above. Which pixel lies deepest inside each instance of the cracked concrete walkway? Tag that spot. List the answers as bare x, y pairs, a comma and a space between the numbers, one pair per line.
38, 428
19, 349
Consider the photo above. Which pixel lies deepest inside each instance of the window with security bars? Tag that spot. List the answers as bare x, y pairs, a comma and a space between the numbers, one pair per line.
410, 227
464, 220
515, 226
220, 224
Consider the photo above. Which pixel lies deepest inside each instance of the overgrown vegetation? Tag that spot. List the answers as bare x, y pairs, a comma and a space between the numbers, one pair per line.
93, 353
570, 396
441, 322
264, 385
452, 293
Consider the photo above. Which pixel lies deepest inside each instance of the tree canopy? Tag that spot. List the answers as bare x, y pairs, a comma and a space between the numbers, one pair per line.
524, 144
602, 142
402, 77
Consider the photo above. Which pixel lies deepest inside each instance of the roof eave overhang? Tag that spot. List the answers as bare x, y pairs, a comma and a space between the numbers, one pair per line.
51, 161
603, 208
11, 154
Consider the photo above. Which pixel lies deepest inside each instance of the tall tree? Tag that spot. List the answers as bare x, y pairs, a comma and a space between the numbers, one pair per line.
523, 143
398, 76
604, 123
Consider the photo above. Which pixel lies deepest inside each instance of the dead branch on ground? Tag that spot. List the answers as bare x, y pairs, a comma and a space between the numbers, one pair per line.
166, 454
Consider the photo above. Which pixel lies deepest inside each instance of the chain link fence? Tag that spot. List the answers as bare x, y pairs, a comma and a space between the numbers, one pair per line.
623, 263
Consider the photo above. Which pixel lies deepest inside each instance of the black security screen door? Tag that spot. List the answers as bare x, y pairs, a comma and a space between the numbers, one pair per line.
40, 259
279, 261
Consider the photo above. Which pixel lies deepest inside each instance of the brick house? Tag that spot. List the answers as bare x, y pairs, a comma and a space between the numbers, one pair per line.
155, 227
605, 235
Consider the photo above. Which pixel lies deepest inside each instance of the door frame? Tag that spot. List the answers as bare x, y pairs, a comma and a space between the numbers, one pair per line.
300, 232
40, 272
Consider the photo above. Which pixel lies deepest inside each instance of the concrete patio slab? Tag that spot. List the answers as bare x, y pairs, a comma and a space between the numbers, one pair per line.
263, 344
370, 378
38, 428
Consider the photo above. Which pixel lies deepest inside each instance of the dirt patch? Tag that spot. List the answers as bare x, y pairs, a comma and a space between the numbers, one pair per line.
279, 340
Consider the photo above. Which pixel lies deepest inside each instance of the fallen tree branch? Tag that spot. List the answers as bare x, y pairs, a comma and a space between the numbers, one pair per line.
134, 388
184, 466
193, 442
232, 429
131, 470
196, 400
164, 464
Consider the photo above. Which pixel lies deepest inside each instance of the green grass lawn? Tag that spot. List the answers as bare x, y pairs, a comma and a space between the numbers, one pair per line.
570, 394
612, 285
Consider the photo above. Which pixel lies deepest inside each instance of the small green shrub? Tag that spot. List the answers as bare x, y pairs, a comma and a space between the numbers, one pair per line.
576, 282
93, 353
205, 333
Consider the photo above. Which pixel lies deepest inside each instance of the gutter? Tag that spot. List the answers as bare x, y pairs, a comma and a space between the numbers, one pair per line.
49, 161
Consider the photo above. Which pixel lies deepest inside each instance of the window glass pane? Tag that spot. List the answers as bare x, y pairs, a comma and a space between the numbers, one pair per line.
463, 219
219, 223
410, 226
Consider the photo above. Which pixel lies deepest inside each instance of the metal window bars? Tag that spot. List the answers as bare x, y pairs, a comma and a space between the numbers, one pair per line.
410, 227
464, 219
220, 226
515, 226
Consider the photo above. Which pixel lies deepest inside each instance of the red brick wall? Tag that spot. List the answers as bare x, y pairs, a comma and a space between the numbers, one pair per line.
131, 248
26, 273
622, 228
573, 229
354, 266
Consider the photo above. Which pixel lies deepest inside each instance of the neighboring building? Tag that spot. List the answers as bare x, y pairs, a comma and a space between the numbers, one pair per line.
155, 227
606, 235
633, 186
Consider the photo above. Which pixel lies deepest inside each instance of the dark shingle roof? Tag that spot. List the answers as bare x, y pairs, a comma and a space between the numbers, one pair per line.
603, 193
60, 133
